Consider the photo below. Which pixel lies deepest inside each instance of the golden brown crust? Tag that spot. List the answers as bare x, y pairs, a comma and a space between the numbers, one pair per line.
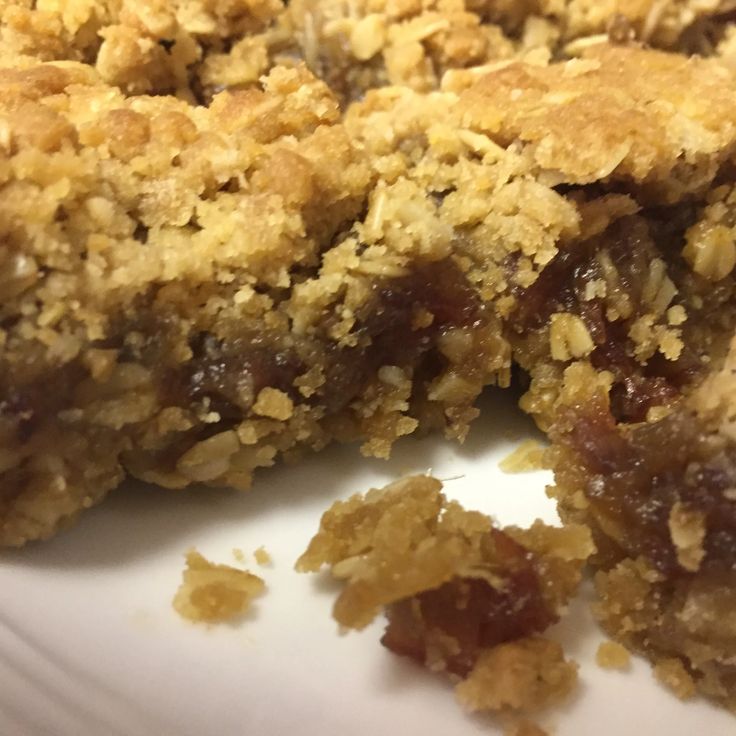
195, 49
638, 115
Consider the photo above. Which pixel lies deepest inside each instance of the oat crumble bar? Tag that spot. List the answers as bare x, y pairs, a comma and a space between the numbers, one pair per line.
207, 289
210, 288
212, 257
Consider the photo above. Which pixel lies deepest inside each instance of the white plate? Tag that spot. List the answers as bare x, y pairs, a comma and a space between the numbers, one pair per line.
89, 643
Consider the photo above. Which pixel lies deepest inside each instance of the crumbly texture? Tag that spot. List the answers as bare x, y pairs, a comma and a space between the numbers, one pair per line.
612, 656
163, 46
524, 675
235, 230
196, 49
211, 593
659, 498
460, 595
368, 298
423, 45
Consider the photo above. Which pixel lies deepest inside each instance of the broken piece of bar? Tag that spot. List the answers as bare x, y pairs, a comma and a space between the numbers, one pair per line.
660, 500
460, 595
209, 289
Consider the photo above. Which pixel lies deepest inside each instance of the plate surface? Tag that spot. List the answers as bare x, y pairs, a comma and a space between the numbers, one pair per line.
89, 643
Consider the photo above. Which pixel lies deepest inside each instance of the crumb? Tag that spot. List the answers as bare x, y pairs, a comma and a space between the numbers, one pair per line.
211, 593
673, 675
262, 556
527, 457
687, 531
238, 555
613, 656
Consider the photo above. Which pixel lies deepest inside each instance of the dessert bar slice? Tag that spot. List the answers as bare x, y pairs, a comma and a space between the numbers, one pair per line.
186, 296
191, 293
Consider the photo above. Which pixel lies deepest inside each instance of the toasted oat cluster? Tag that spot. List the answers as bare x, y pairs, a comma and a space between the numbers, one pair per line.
232, 231
461, 596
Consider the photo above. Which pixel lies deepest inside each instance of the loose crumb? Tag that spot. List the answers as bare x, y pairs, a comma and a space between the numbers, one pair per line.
527, 457
673, 675
612, 656
238, 555
211, 593
262, 556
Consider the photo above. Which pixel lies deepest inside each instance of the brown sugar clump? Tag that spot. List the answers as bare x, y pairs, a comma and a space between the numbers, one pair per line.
460, 595
612, 656
211, 593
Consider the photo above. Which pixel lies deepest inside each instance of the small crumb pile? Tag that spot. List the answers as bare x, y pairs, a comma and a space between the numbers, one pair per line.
211, 593
460, 595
